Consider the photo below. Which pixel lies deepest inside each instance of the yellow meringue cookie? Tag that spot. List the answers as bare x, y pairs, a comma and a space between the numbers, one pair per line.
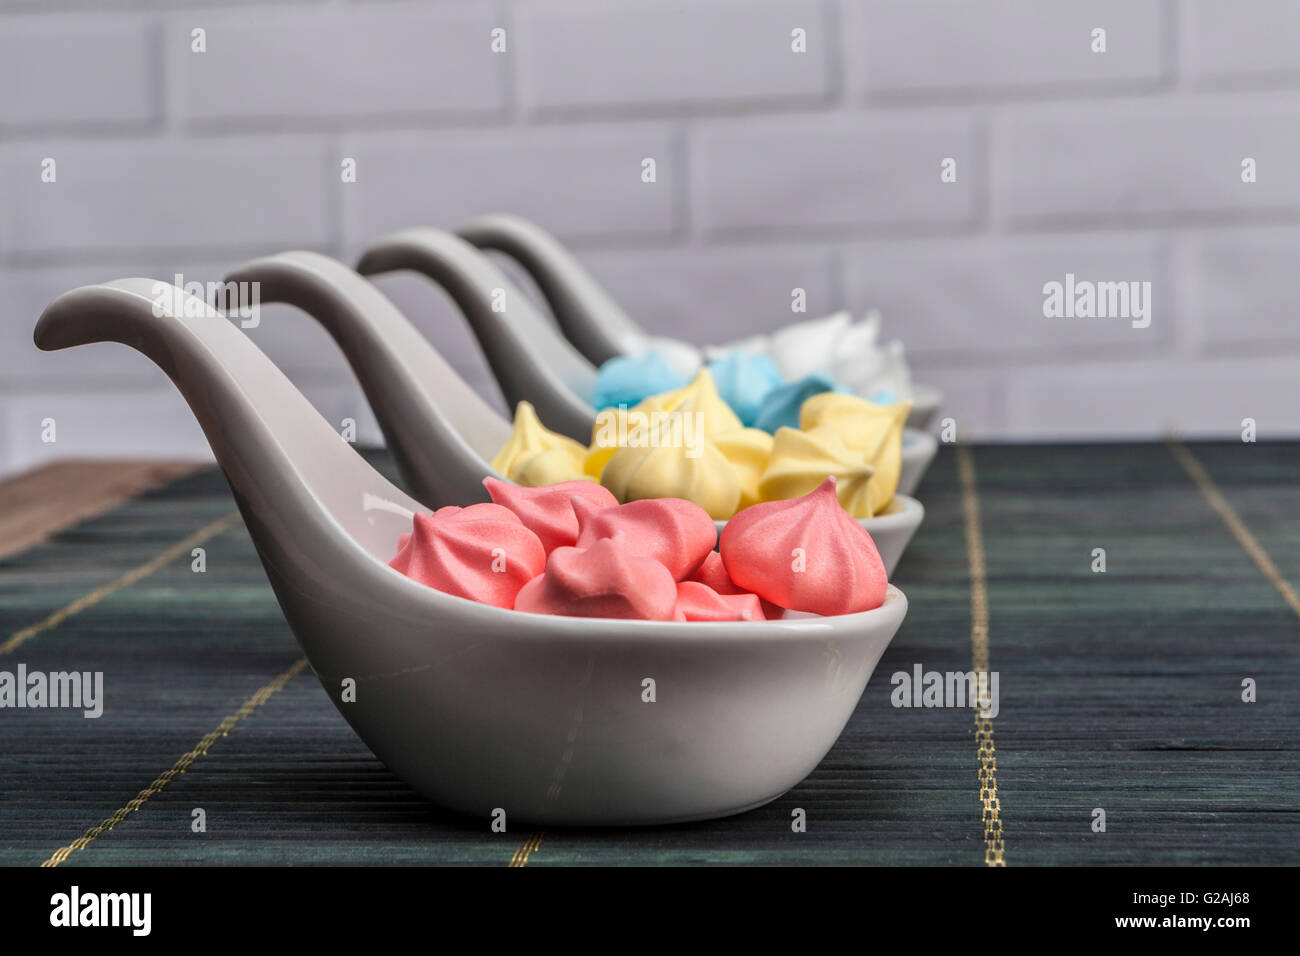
888, 460
548, 467
535, 455
610, 426
748, 450
708, 479
703, 395
860, 423
875, 431
639, 426
801, 461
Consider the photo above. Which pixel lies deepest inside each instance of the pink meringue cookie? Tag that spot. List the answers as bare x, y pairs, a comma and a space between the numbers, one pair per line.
482, 553
714, 573
604, 580
699, 602
673, 531
547, 510
805, 554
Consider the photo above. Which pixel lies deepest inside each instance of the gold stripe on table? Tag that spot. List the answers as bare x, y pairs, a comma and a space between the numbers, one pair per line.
180, 766
531, 846
1183, 455
991, 816
136, 574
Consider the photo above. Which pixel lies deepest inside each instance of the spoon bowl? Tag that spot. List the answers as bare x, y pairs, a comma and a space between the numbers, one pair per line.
926, 401
482, 709
919, 449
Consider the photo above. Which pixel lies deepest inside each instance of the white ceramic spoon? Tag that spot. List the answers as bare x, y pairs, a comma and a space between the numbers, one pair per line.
479, 708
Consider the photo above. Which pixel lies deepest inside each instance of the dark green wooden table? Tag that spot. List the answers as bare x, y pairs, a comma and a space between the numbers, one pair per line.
1119, 691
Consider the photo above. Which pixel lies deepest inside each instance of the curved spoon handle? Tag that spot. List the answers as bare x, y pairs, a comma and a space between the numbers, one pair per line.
531, 360
440, 430
300, 486
589, 316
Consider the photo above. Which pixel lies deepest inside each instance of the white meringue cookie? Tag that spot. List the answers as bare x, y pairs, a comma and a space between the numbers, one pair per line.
805, 348
849, 351
861, 337
879, 373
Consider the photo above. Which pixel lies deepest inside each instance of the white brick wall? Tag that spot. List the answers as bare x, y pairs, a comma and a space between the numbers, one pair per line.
69, 70
1146, 159
124, 195
1240, 289
833, 170
1244, 39
932, 287
1020, 46
337, 64
710, 293
776, 169
592, 53
581, 180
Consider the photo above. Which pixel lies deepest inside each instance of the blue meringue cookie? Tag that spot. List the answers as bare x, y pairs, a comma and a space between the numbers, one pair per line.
744, 380
780, 409
627, 379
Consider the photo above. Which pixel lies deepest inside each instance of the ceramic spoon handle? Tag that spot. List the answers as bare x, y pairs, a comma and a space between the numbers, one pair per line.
440, 430
531, 360
589, 316
300, 487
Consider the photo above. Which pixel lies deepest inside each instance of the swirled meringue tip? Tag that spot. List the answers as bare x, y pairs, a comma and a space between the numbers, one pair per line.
700, 396
805, 554
676, 533
802, 460
851, 414
701, 474
534, 455
483, 553
872, 431
607, 579
548, 511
